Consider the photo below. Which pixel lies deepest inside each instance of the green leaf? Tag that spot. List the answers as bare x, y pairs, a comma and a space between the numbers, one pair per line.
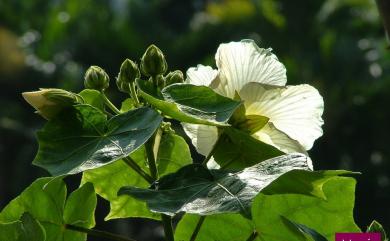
127, 105
191, 104
335, 214
81, 138
195, 189
173, 154
45, 201
305, 230
27, 228
219, 227
376, 227
304, 182
79, 213
93, 98
236, 150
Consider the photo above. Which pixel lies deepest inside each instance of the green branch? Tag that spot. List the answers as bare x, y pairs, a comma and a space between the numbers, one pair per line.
152, 147
98, 233
133, 94
109, 104
131, 163
168, 229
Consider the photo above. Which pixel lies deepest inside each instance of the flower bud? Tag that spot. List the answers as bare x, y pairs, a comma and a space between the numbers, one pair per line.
96, 78
174, 77
153, 62
128, 73
49, 102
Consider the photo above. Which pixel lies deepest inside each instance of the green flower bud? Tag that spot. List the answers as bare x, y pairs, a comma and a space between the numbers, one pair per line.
153, 62
174, 77
96, 78
49, 102
128, 73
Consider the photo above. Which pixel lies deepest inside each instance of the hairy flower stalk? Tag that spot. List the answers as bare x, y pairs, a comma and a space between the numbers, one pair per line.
286, 117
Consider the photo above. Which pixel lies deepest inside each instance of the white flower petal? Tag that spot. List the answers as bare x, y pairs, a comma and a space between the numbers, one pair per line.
294, 110
203, 137
201, 75
212, 164
272, 136
243, 62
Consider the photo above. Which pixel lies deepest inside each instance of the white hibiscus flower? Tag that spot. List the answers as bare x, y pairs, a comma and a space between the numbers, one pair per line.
258, 78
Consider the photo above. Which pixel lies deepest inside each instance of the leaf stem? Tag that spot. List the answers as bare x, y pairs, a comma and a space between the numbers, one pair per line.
110, 104
253, 236
167, 224
133, 94
131, 163
197, 228
152, 146
98, 233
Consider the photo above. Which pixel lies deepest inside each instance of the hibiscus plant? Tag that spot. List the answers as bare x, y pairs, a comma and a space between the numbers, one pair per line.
255, 182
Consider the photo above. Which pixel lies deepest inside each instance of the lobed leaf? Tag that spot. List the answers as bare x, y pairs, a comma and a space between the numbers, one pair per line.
304, 182
283, 215
81, 138
27, 228
335, 214
173, 154
45, 202
191, 103
195, 189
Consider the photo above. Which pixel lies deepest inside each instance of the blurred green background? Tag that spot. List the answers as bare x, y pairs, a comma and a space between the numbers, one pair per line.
338, 46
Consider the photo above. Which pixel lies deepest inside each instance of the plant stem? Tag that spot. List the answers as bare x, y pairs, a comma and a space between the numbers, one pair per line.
167, 224
133, 94
98, 233
109, 104
204, 163
197, 228
253, 236
152, 146
131, 163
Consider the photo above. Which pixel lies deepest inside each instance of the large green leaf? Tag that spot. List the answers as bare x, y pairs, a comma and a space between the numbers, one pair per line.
236, 150
191, 103
219, 227
173, 154
81, 138
27, 228
335, 214
304, 182
195, 189
274, 210
45, 200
